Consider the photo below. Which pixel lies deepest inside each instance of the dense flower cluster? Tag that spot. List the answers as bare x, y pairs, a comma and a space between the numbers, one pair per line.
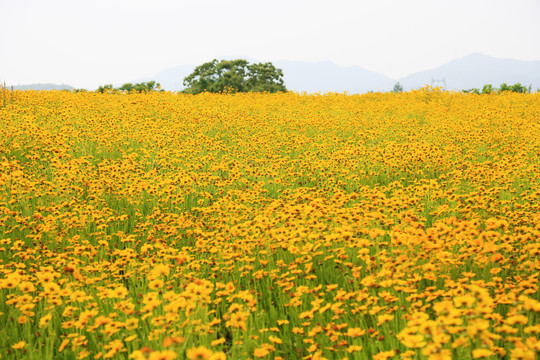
171, 226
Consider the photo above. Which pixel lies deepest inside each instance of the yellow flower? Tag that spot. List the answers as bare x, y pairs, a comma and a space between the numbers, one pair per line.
217, 342
443, 354
156, 284
218, 356
160, 270
83, 354
355, 332
168, 341
119, 292
465, 300
131, 324
27, 287
517, 319
275, 340
63, 345
354, 348
412, 341
383, 355
522, 354
113, 347
199, 353
137, 355
261, 352
481, 353
229, 287
162, 355
381, 319
18, 345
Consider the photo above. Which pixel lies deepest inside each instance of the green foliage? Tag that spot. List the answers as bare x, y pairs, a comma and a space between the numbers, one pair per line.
129, 87
234, 76
489, 89
265, 77
126, 87
104, 88
472, 91
515, 88
140, 87
398, 87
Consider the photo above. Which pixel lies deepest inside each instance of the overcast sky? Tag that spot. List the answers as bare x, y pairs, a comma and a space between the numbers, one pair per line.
88, 43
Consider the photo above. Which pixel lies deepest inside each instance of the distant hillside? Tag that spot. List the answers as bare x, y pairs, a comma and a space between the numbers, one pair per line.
472, 71
298, 76
170, 79
476, 70
326, 76
43, 87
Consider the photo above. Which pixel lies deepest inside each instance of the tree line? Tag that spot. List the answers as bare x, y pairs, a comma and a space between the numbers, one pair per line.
487, 89
228, 76
129, 87
490, 89
233, 76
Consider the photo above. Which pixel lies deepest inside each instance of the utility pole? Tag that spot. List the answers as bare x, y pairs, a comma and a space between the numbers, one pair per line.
439, 81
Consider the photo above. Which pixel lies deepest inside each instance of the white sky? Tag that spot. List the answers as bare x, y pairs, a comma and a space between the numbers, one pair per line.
88, 43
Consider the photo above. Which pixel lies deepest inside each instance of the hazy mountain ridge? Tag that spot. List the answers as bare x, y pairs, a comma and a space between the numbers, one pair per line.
47, 86
476, 70
326, 76
170, 79
472, 71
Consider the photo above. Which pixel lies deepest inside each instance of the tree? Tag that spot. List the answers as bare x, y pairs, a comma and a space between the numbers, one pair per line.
234, 76
517, 87
398, 88
104, 88
129, 87
146, 86
488, 89
472, 91
265, 77
140, 87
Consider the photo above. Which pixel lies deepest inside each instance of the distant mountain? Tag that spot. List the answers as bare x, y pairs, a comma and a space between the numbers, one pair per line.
298, 76
471, 71
326, 76
170, 79
43, 87
476, 70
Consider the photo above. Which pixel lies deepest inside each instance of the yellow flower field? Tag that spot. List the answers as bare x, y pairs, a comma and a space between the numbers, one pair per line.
258, 226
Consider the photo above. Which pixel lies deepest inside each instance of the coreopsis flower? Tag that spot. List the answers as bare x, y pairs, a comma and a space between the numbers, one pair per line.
355, 332
163, 355
199, 353
63, 345
481, 353
275, 340
19, 345
384, 355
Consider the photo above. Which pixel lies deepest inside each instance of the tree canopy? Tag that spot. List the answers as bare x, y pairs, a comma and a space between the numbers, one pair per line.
489, 89
234, 76
398, 87
129, 87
